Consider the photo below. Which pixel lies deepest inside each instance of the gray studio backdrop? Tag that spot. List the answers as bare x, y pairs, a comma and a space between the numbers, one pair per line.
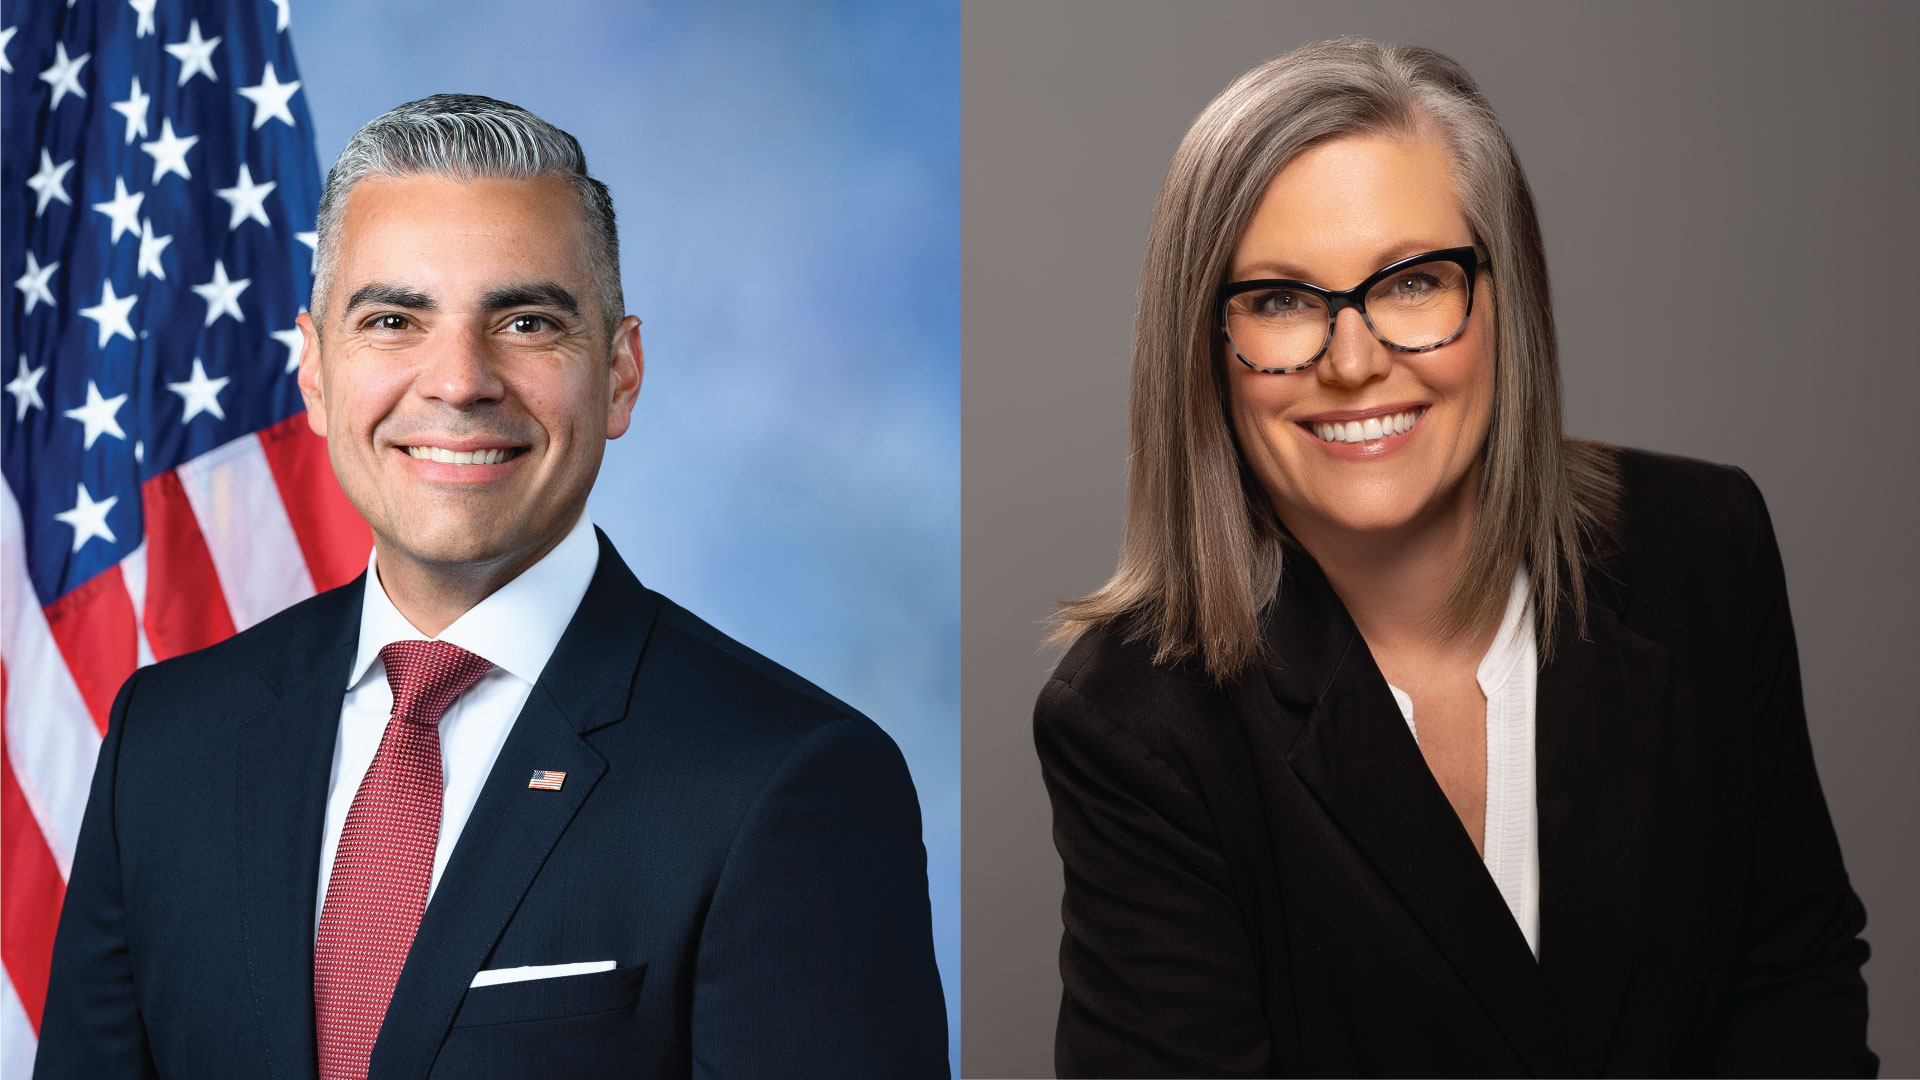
1728, 193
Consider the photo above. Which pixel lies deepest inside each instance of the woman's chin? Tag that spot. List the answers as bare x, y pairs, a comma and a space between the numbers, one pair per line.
1395, 505
1355, 520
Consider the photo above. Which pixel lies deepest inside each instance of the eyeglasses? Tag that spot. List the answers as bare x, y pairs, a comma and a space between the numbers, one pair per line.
1276, 325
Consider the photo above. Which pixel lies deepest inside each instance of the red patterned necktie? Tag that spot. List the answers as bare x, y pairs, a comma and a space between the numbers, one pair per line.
385, 859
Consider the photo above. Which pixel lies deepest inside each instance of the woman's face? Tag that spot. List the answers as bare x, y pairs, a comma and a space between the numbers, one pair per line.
1331, 217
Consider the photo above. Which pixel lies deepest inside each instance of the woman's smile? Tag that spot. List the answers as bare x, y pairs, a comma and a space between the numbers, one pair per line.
1364, 434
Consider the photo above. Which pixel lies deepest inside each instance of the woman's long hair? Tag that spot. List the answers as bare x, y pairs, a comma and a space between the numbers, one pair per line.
1201, 553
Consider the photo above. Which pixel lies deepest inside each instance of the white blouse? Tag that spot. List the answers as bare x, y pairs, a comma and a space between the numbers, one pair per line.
1506, 675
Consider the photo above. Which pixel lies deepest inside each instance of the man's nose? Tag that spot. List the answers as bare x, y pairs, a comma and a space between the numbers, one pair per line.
459, 368
1354, 357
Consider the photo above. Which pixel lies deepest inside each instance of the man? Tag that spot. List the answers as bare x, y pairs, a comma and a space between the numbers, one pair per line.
494, 808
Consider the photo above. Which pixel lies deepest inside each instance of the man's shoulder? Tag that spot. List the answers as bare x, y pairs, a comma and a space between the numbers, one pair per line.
258, 659
693, 640
713, 684
748, 733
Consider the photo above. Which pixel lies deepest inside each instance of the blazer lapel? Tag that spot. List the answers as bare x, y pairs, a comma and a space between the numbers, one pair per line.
1598, 743
284, 758
512, 829
1355, 753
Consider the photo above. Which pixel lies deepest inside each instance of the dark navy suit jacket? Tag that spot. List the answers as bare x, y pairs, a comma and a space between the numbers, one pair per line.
744, 847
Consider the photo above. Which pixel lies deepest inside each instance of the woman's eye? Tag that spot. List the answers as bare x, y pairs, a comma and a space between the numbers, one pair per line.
1413, 285
1278, 303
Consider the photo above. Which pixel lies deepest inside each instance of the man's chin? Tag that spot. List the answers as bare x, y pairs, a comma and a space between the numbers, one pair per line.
450, 549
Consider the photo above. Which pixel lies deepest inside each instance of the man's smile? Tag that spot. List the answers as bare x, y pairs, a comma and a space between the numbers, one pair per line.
449, 456
464, 461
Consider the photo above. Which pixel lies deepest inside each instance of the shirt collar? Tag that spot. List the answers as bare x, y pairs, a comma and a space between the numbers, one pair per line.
516, 628
1511, 641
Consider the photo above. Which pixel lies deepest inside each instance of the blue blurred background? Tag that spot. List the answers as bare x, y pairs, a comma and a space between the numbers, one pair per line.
787, 179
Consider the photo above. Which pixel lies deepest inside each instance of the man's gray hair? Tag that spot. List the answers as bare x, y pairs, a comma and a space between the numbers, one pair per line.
465, 137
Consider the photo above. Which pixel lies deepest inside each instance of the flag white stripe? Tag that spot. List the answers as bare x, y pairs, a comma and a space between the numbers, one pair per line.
50, 733
16, 1034
133, 570
254, 549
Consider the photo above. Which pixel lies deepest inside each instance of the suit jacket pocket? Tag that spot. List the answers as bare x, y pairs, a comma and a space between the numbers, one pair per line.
551, 999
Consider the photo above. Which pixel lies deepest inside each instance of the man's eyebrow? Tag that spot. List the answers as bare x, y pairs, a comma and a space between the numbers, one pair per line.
391, 295
533, 294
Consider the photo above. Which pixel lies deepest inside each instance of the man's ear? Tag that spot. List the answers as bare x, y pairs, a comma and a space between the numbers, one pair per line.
309, 377
629, 364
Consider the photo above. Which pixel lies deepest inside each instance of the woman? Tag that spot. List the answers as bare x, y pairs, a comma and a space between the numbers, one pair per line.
1412, 736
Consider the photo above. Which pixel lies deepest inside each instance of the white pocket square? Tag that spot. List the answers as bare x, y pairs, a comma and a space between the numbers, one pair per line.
538, 971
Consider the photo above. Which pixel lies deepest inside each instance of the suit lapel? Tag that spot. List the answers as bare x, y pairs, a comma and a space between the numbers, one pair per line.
285, 757
1356, 755
1599, 736
512, 829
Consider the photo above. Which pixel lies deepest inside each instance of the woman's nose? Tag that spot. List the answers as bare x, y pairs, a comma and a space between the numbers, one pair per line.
1354, 357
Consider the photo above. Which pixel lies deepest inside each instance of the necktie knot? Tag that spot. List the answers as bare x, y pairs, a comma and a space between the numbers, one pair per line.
427, 675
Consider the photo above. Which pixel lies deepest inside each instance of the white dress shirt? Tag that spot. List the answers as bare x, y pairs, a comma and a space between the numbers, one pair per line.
516, 629
1506, 675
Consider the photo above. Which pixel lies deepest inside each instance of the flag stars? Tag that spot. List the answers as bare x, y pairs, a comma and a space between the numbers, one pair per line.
64, 75
49, 183
270, 98
169, 152
200, 394
222, 294
110, 315
123, 210
98, 415
135, 110
312, 240
88, 518
150, 248
34, 283
144, 9
25, 388
247, 199
296, 342
283, 14
6, 39
195, 54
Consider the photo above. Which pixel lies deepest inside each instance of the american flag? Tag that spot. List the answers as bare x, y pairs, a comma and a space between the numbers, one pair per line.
546, 780
162, 489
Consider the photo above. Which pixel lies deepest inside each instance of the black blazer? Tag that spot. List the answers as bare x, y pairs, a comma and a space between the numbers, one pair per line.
744, 847
1265, 878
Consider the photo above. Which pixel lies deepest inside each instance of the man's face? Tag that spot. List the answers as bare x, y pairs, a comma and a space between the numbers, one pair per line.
464, 382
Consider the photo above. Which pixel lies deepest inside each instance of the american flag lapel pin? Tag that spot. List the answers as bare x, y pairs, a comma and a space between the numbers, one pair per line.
547, 780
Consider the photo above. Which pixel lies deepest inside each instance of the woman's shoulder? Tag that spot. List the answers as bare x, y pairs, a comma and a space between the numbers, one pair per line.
1692, 534
1109, 678
1674, 493
1681, 509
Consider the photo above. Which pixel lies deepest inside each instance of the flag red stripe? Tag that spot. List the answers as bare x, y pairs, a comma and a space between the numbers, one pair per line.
186, 609
30, 905
95, 629
333, 536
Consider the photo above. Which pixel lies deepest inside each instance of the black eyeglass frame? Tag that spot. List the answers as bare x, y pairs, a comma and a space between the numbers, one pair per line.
1467, 258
